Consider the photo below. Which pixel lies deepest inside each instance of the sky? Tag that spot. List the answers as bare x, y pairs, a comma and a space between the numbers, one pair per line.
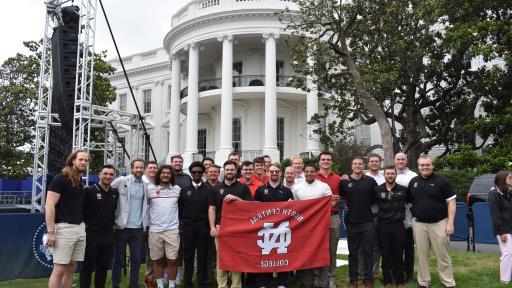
138, 25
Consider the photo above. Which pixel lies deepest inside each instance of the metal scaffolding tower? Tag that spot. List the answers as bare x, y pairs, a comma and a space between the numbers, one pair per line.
86, 115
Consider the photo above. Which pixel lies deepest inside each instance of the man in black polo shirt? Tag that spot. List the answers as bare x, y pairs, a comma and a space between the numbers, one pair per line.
180, 178
273, 191
390, 227
64, 215
99, 207
433, 211
358, 192
194, 226
227, 190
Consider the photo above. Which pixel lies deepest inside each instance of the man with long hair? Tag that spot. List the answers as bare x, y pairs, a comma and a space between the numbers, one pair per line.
64, 219
164, 236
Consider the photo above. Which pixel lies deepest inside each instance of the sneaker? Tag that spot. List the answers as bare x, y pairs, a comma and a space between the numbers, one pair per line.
178, 276
332, 284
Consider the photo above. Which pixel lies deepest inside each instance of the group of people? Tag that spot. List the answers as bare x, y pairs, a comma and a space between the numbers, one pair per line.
176, 218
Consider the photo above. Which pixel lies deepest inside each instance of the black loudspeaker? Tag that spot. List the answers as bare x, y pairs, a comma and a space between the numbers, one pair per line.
64, 56
59, 147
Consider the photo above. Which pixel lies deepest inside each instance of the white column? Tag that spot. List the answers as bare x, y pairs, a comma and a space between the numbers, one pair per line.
226, 105
174, 121
270, 140
312, 139
192, 104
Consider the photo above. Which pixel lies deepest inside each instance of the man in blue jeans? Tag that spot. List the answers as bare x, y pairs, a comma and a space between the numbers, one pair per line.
129, 222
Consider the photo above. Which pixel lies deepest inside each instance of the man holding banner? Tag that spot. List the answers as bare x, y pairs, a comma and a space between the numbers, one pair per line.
312, 189
229, 190
273, 191
266, 237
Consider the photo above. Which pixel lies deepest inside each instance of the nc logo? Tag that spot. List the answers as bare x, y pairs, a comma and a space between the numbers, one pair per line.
271, 235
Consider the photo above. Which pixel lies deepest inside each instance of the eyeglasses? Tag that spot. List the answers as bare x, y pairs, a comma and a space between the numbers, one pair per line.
196, 172
273, 171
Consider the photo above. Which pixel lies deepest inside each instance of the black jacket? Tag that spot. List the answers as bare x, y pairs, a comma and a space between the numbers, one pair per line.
500, 204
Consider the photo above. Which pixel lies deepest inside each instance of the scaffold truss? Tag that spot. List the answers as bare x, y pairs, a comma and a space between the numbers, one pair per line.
86, 115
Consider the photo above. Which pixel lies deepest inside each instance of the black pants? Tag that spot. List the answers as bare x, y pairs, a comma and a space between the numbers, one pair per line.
360, 236
98, 255
409, 254
391, 243
264, 279
196, 238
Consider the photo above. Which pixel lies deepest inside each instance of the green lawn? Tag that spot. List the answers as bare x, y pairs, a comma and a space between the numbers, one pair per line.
471, 270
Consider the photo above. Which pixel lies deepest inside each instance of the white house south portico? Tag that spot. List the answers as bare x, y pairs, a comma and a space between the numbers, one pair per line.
229, 85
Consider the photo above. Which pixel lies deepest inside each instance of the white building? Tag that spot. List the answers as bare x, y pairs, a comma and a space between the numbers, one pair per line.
221, 82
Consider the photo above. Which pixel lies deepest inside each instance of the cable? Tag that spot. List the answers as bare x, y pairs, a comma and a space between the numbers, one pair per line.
146, 135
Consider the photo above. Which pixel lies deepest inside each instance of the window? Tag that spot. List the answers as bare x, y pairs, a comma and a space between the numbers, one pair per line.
122, 102
365, 136
201, 141
147, 149
237, 134
280, 137
237, 74
280, 73
147, 100
169, 91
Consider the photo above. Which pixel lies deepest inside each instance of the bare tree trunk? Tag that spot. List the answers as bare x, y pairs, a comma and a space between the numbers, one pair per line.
371, 105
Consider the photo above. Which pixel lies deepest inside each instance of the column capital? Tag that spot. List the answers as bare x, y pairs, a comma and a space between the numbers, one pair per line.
190, 45
268, 35
228, 37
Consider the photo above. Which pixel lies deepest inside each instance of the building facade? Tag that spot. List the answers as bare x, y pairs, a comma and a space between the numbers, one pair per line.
221, 82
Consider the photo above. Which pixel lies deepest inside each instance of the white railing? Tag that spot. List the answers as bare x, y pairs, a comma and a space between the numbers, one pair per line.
198, 8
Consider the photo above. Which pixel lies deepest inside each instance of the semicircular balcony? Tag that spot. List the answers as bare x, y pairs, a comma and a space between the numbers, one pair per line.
244, 87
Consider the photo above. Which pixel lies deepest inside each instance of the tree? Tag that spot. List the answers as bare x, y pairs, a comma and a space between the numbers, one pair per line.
19, 77
410, 61
19, 80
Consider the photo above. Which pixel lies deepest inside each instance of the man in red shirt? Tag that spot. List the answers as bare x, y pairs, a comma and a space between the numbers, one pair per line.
247, 177
332, 179
259, 170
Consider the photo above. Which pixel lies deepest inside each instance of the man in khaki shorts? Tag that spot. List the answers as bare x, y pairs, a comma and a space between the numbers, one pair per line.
64, 219
164, 238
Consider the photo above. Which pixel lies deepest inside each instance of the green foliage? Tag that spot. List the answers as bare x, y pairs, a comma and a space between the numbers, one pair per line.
460, 180
18, 95
343, 153
427, 62
494, 158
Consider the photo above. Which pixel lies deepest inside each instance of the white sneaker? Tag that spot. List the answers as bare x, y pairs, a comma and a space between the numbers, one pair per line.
332, 284
178, 276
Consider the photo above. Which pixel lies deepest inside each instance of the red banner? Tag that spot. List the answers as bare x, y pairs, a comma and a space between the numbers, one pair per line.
274, 236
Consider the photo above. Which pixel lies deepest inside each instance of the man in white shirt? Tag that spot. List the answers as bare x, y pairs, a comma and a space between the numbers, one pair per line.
298, 166
164, 238
289, 177
403, 177
149, 178
374, 161
312, 188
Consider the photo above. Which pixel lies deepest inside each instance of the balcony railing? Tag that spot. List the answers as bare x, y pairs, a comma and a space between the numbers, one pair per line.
245, 155
200, 8
245, 81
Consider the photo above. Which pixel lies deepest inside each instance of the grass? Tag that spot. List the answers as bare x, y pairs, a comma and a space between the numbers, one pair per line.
470, 270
